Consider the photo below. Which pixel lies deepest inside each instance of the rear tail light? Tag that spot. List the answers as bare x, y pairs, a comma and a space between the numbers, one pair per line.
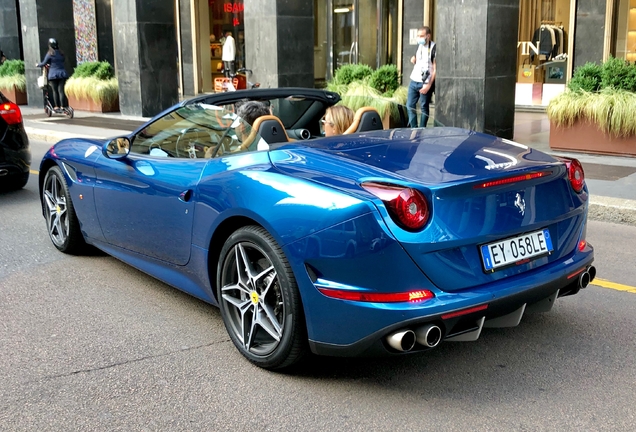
10, 112
576, 174
403, 297
407, 207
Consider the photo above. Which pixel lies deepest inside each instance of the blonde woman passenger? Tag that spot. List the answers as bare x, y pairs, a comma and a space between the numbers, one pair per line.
337, 119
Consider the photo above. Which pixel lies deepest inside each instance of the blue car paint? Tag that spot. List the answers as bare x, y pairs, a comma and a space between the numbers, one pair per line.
384, 258
76, 158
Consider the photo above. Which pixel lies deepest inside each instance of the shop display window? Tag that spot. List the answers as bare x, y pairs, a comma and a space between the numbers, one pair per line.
542, 55
226, 15
626, 30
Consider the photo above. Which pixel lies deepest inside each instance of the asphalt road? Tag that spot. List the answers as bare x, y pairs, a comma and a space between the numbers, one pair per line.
89, 343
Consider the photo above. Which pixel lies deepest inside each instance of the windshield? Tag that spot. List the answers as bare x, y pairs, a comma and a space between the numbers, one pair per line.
197, 131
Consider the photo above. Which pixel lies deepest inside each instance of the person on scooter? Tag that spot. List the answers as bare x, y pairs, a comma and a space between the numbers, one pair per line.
57, 74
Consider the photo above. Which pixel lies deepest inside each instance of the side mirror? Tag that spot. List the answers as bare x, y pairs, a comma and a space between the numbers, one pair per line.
117, 148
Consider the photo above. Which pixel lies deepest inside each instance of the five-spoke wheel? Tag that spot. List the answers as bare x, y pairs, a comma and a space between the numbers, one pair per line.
259, 299
61, 221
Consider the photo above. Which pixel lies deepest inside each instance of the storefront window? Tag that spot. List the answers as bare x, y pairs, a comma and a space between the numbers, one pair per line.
354, 32
542, 50
626, 30
226, 16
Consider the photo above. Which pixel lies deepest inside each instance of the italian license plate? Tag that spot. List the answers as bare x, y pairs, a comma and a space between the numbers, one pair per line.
514, 249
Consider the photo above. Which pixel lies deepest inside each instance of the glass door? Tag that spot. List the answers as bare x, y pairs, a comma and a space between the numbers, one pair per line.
344, 33
358, 32
369, 24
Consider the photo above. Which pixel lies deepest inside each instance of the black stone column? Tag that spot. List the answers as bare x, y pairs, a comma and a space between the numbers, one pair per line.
589, 37
104, 21
413, 16
145, 55
279, 42
187, 57
10, 42
476, 61
41, 20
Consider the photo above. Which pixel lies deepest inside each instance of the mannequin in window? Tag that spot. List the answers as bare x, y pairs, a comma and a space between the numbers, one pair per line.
229, 55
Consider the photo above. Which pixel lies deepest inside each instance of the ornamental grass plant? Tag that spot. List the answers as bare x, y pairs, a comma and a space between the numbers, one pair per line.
12, 75
604, 95
360, 86
95, 81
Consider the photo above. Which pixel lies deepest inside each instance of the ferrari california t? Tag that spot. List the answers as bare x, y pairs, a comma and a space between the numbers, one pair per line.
378, 241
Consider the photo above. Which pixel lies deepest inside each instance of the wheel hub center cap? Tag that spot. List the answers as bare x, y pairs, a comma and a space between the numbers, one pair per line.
254, 296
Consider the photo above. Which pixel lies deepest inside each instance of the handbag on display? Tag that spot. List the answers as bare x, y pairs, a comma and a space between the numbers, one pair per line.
529, 73
43, 79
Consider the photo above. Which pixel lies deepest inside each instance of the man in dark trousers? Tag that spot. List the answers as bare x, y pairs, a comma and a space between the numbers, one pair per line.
422, 85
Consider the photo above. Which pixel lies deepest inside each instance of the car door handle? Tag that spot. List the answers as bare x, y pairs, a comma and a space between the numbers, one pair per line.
185, 195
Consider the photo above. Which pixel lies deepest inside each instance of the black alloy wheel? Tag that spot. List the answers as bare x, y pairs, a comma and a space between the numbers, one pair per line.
259, 300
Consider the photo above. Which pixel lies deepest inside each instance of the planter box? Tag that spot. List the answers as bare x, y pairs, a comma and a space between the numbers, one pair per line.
587, 137
90, 105
16, 96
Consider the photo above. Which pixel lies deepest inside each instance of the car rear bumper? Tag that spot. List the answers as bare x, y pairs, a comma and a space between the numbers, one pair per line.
366, 325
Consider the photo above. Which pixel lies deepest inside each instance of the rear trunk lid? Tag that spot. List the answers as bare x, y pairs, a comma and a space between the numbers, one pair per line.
465, 177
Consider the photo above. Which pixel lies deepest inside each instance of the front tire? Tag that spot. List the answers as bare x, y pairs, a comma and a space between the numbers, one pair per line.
61, 220
259, 300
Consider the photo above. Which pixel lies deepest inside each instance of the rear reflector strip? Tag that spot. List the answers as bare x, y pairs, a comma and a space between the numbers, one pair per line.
576, 273
465, 312
411, 296
514, 179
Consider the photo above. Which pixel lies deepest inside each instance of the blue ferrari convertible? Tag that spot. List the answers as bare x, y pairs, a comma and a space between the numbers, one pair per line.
383, 240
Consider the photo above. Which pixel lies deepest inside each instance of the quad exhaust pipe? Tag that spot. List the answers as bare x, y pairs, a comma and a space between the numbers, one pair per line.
403, 340
429, 335
587, 276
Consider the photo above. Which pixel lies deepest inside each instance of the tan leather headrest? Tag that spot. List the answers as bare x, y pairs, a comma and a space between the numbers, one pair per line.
357, 118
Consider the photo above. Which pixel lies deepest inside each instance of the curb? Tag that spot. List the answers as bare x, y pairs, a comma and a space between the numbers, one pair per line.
50, 136
617, 210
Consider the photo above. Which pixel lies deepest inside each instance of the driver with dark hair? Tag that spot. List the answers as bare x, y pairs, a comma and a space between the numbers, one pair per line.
251, 110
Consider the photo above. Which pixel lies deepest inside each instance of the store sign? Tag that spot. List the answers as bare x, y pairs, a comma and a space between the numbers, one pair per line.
233, 7
526, 47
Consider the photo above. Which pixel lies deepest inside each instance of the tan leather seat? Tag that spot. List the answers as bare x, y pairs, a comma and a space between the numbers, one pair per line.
365, 119
270, 128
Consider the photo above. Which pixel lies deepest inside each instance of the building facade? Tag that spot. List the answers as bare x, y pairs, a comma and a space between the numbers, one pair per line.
492, 54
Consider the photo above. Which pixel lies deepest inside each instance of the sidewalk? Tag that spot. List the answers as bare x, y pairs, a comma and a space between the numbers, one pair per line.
611, 179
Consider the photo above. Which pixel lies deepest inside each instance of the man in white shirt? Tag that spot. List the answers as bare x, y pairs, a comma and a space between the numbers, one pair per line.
228, 55
422, 85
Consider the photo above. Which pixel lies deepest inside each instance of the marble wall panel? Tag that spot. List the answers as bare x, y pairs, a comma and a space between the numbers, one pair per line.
590, 32
10, 37
105, 43
475, 74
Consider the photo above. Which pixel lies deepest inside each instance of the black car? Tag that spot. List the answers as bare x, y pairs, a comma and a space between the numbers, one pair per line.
15, 154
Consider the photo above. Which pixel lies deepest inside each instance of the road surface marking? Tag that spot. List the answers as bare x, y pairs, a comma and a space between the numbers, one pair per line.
612, 285
34, 172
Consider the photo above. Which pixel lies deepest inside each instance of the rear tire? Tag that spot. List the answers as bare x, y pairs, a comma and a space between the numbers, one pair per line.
61, 220
259, 300
69, 112
48, 111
